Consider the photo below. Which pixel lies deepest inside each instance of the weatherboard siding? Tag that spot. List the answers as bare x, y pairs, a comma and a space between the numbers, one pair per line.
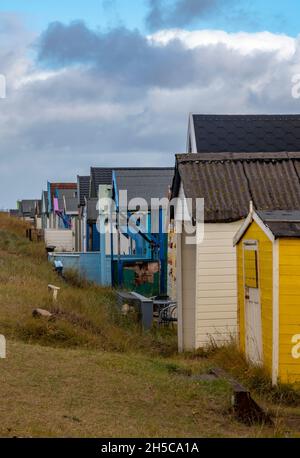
289, 308
216, 285
61, 239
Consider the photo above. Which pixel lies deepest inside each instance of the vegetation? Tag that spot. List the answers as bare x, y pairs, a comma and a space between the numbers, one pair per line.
88, 371
257, 379
84, 315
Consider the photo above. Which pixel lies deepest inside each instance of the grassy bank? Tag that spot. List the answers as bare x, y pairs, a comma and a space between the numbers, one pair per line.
91, 372
85, 315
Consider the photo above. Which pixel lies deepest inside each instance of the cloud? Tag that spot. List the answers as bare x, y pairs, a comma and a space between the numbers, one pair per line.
125, 55
179, 13
242, 42
129, 58
90, 97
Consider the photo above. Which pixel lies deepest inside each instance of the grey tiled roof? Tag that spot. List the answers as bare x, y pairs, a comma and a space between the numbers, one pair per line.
27, 207
68, 194
247, 133
229, 181
83, 189
71, 205
131, 175
145, 183
282, 223
99, 175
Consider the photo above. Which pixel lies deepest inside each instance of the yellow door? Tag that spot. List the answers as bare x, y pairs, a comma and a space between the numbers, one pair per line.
253, 321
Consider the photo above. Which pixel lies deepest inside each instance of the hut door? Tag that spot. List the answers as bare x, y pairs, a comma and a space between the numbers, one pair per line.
253, 324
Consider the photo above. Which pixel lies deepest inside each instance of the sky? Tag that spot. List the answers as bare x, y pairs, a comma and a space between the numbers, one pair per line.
111, 82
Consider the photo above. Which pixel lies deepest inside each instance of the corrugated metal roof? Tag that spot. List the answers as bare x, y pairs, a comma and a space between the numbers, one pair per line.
228, 182
246, 133
146, 183
282, 223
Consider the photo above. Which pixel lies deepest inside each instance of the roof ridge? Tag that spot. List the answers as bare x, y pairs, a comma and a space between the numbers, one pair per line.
241, 157
248, 115
132, 168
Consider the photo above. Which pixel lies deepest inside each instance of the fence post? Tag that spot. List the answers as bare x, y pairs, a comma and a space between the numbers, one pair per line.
2, 347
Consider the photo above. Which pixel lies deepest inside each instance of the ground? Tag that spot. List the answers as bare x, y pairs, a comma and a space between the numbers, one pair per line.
92, 373
48, 392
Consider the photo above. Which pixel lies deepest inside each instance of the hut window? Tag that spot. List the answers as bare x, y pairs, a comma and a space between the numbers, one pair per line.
251, 265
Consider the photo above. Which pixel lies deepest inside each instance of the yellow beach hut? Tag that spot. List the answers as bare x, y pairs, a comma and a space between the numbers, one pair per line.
268, 266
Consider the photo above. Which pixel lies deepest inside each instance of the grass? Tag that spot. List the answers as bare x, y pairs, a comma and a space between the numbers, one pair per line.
51, 392
282, 402
85, 314
91, 372
256, 378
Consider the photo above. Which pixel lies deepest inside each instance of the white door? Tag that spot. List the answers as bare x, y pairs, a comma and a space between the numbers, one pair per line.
253, 322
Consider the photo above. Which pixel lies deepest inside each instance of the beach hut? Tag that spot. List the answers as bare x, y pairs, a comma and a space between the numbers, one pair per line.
268, 273
206, 287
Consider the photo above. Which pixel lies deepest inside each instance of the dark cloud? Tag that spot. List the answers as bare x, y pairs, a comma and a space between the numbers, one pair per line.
179, 13
130, 59
118, 98
127, 56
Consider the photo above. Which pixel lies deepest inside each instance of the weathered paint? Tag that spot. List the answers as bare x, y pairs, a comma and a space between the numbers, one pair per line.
141, 277
172, 251
265, 280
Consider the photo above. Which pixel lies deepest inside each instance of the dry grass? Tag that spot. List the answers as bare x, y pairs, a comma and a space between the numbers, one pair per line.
48, 392
281, 402
255, 378
90, 372
85, 314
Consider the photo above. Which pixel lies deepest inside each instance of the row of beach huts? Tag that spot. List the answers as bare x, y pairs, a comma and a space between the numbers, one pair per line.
238, 276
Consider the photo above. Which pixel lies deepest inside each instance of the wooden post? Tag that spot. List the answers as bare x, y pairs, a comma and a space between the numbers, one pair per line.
244, 407
2, 347
54, 290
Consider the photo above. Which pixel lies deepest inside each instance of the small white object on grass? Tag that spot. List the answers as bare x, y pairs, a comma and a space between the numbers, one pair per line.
2, 347
55, 290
